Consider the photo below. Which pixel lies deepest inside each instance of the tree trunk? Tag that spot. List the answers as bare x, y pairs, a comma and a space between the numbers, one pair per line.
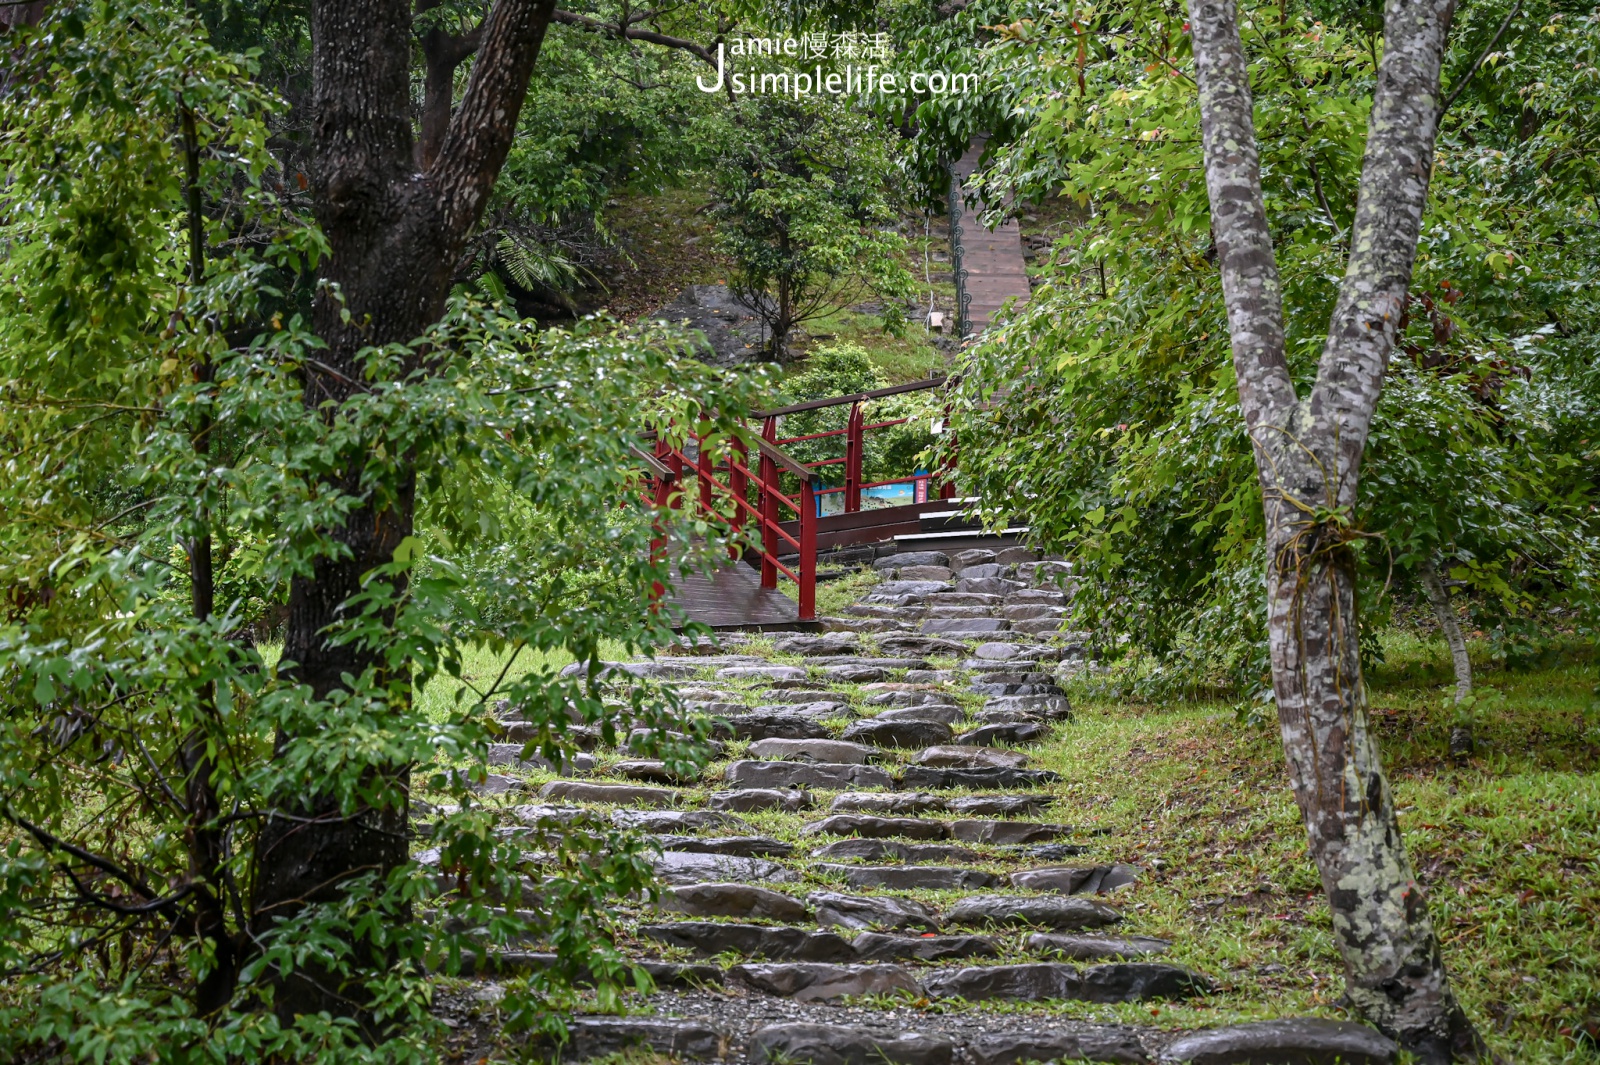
1439, 599
394, 233
1308, 457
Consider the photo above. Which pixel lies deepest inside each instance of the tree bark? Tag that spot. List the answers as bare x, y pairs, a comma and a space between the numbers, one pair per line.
1308, 457
1439, 599
394, 233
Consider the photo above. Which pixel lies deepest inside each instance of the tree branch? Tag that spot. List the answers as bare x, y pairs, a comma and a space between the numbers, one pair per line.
627, 31
1461, 85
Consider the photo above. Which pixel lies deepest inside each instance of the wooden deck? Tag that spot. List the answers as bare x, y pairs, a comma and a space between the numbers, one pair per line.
996, 270
732, 598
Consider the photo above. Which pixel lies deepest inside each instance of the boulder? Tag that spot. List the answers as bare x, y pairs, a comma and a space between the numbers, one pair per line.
828, 1044
987, 585
752, 940
965, 757
817, 982
1068, 912
1094, 948
685, 867
732, 900
886, 802
877, 827
1016, 734
911, 558
1288, 1041
749, 800
878, 946
1006, 832
976, 556
1083, 880
912, 877
850, 911
836, 752
898, 733
1010, 556
770, 724
615, 794
924, 573
734, 846
942, 713
758, 774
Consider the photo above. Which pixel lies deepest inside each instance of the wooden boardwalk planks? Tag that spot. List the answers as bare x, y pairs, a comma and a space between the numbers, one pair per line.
996, 270
733, 597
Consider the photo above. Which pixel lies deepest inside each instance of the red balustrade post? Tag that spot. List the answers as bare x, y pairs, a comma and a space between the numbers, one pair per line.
852, 460
769, 508
739, 483
663, 498
703, 469
807, 563
947, 474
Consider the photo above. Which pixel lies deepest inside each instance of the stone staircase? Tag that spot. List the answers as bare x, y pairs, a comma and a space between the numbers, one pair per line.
875, 862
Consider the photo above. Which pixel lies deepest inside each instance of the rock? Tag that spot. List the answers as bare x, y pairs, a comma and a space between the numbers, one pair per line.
616, 794
813, 708
987, 585
963, 757
664, 822
736, 846
761, 672
1018, 734
1064, 880
965, 625
997, 805
1090, 1043
895, 589
911, 698
1031, 611
1291, 1041
827, 1044
818, 982
749, 800
1036, 597
549, 816
1119, 982
976, 556
912, 878
593, 1037
876, 946
653, 772
753, 940
758, 774
1049, 706
683, 867
1054, 852
664, 973
911, 558
836, 752
804, 693
925, 573
1038, 626
1094, 948
882, 850
829, 643
927, 777
932, 676
1009, 556
851, 911
1067, 912
941, 713
645, 740
886, 802
765, 725
732, 900
864, 625
877, 827
898, 733
1006, 832
906, 643
855, 674
947, 613
1000, 652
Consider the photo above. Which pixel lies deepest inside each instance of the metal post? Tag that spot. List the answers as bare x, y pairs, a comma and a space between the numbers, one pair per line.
807, 565
852, 460
769, 508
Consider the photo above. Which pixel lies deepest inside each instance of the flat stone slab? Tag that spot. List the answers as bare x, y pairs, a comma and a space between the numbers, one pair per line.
838, 910
886, 802
652, 771
817, 982
753, 940
1094, 948
759, 774
911, 558
912, 878
1040, 981
898, 733
855, 674
593, 1037
837, 752
684, 867
972, 556
912, 698
961, 756
895, 589
1053, 852
997, 805
761, 673
1087, 1043
818, 710
829, 643
1081, 880
1049, 706
1289, 1041
768, 725
925, 573
732, 900
907, 643
886, 850
878, 946
878, 827
941, 713
976, 626
615, 794
828, 1044
926, 777
1017, 734
999, 651
750, 800
676, 821
1002, 833
1061, 912
735, 846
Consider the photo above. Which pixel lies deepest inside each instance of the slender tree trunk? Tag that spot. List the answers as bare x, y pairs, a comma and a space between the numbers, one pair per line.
1308, 456
1439, 599
394, 233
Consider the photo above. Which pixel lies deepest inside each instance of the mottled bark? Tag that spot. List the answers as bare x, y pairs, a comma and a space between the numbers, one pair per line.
394, 232
1308, 457
1439, 599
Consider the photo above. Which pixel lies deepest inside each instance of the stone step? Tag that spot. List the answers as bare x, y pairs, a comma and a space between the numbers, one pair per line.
937, 712
816, 981
909, 734
997, 805
653, 772
1044, 981
883, 850
988, 585
1080, 880
956, 613
767, 671
670, 822
832, 643
685, 867
770, 725
1030, 611
911, 558
908, 643
1016, 733
593, 1037
732, 900
885, 802
870, 827
890, 589
737, 846
1060, 912
749, 800
905, 699
961, 756
1038, 626
1083, 1042
817, 709
611, 794
878, 946
748, 773
1093, 948
997, 688
1302, 1040
1050, 706
878, 661
803, 1043
973, 626
837, 910
1001, 833
753, 940
927, 778
838, 752
912, 878
835, 624
1039, 596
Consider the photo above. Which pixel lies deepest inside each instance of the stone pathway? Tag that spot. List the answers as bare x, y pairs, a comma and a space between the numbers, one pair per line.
876, 861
